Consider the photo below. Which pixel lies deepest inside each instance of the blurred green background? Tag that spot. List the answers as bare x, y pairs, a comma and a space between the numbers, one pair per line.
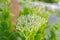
35, 21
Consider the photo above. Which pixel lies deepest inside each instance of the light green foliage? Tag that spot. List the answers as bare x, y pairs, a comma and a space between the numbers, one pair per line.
33, 23
30, 24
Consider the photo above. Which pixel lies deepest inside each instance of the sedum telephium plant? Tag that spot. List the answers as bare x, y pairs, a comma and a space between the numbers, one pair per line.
31, 23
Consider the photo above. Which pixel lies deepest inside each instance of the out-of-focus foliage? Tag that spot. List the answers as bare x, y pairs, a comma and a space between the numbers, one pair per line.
47, 1
51, 1
5, 25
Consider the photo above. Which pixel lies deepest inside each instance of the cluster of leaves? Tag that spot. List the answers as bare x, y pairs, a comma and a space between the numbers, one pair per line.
33, 23
30, 24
